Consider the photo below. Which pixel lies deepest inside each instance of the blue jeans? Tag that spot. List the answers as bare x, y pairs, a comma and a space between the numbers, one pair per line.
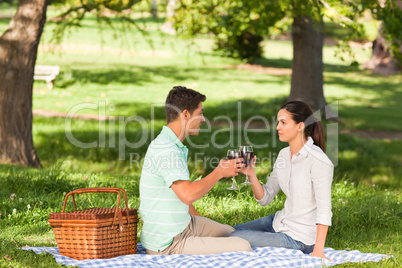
260, 233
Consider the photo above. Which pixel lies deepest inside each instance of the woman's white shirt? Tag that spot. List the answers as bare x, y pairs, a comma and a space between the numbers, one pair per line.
306, 180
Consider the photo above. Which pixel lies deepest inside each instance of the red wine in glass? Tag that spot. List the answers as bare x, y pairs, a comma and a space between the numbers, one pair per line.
246, 152
248, 158
233, 154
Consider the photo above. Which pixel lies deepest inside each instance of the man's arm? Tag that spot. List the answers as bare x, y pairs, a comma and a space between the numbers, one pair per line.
193, 211
189, 192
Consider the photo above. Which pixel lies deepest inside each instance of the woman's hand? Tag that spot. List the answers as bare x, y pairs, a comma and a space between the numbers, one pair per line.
319, 254
318, 251
250, 169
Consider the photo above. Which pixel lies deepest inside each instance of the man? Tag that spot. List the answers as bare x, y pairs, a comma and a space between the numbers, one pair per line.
171, 223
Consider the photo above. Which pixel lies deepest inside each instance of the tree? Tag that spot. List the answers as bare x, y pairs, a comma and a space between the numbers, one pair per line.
229, 20
18, 51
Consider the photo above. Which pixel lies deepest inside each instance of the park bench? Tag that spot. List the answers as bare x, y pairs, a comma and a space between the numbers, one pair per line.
47, 73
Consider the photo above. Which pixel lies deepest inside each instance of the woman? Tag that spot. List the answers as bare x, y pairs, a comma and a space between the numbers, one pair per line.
304, 173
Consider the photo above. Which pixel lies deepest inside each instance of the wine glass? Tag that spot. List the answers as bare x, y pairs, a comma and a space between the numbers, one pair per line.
233, 154
248, 155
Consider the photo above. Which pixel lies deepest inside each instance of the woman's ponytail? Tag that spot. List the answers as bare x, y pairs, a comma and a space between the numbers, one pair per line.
316, 131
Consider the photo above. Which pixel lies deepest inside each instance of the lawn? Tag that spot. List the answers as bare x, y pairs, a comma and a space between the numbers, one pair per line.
127, 76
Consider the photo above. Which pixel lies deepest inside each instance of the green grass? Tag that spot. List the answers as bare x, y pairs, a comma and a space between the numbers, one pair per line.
125, 76
366, 218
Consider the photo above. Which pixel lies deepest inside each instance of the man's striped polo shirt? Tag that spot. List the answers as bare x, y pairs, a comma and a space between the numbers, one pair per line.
162, 212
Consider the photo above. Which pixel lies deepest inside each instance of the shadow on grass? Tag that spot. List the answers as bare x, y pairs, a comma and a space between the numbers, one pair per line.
287, 64
370, 161
139, 75
388, 88
129, 75
25, 182
24, 190
360, 160
275, 63
381, 113
55, 147
106, 142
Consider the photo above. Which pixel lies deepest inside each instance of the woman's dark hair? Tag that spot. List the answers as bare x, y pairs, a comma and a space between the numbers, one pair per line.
179, 99
301, 112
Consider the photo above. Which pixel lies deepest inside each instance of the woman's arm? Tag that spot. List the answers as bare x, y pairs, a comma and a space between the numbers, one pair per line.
264, 194
318, 251
256, 186
322, 175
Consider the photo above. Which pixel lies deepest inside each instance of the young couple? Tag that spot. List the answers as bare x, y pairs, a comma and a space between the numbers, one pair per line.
302, 171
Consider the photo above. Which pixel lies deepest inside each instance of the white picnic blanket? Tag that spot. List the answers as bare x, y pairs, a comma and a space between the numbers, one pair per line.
259, 257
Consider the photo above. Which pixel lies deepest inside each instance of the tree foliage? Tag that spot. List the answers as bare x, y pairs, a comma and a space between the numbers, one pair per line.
387, 12
238, 26
73, 12
234, 22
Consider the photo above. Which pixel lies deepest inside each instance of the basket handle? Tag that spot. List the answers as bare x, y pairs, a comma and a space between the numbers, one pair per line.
102, 190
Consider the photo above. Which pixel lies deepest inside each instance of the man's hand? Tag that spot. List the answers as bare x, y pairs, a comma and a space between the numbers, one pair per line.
230, 168
190, 191
193, 211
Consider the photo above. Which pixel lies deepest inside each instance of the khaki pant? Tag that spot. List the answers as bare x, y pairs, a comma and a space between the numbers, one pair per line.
204, 236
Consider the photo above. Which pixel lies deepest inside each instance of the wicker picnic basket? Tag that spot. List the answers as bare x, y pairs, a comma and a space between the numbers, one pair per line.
96, 233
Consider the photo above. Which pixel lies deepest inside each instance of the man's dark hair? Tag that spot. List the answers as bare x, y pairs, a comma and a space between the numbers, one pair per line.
180, 99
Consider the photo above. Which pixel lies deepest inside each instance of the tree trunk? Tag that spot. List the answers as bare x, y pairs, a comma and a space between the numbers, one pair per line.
381, 61
307, 66
18, 51
154, 9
